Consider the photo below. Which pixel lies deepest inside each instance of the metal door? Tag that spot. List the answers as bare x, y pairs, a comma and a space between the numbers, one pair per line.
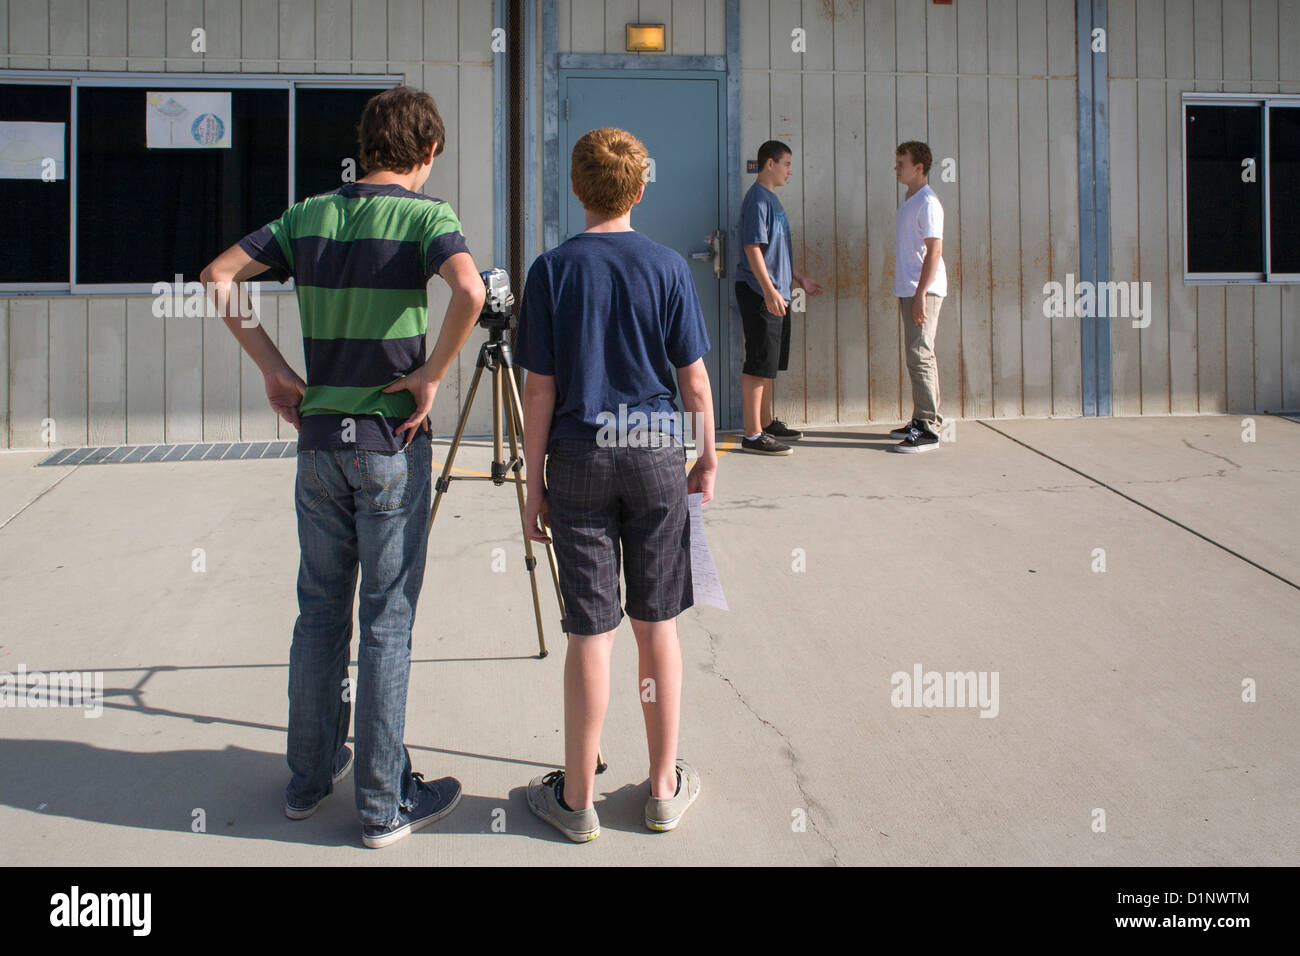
681, 119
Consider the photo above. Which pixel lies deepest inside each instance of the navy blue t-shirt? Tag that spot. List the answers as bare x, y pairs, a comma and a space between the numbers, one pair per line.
612, 315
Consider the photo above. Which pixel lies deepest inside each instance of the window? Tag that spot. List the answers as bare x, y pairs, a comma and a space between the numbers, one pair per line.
1241, 196
114, 215
1284, 188
34, 193
326, 136
146, 214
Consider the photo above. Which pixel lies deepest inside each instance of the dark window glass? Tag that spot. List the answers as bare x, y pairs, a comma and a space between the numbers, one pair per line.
34, 239
1284, 186
144, 215
1225, 214
327, 135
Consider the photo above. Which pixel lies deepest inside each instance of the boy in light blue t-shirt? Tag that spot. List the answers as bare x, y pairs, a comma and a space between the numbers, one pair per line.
764, 279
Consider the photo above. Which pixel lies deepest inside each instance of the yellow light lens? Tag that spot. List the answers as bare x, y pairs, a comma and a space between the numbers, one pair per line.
645, 38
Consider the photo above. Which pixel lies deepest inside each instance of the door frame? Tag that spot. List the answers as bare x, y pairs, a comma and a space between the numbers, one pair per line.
728, 416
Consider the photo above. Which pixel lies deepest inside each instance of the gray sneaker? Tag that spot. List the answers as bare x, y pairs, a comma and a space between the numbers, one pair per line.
662, 814
580, 826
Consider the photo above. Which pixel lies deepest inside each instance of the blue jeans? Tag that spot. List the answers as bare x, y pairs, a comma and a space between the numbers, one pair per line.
366, 508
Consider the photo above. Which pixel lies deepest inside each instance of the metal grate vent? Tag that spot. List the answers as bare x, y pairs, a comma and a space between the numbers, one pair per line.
201, 451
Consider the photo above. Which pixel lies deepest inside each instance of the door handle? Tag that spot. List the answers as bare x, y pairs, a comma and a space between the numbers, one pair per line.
713, 254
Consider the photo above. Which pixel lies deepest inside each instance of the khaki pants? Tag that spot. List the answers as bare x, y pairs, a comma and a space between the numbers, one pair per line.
921, 364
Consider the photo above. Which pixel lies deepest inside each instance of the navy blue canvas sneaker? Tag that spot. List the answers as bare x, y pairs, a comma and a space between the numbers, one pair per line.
918, 439
782, 432
765, 444
902, 431
435, 800
301, 811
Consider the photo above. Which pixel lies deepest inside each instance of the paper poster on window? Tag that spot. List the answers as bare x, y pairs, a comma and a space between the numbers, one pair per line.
31, 151
187, 120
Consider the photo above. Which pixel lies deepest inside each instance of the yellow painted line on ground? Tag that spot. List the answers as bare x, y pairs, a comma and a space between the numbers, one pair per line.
724, 445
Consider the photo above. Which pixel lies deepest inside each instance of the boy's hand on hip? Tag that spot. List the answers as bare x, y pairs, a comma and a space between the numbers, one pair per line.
423, 390
284, 390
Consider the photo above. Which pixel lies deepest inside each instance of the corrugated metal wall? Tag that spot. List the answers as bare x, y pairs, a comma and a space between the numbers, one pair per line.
1208, 348
1001, 102
693, 27
105, 368
988, 83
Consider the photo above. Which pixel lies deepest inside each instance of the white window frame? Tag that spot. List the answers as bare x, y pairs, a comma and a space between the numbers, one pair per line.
1264, 101
75, 79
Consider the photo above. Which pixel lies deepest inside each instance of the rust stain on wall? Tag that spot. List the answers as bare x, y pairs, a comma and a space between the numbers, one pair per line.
831, 8
851, 272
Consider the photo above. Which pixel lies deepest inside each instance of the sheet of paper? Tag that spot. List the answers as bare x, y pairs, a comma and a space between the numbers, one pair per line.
187, 120
704, 573
31, 151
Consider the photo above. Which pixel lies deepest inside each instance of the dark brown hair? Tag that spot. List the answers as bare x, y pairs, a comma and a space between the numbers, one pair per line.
397, 128
608, 169
918, 153
774, 150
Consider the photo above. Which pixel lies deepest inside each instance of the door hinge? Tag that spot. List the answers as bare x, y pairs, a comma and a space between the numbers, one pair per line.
566, 109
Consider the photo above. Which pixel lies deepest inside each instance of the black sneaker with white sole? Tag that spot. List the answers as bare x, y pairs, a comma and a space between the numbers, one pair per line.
765, 444
435, 799
918, 440
902, 431
301, 811
782, 432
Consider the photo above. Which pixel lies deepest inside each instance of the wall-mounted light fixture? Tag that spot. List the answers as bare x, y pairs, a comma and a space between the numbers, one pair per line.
645, 38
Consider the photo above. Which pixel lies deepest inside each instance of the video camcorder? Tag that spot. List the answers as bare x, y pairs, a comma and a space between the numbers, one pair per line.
497, 310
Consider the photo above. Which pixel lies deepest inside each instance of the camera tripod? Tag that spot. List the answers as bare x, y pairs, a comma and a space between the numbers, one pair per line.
495, 355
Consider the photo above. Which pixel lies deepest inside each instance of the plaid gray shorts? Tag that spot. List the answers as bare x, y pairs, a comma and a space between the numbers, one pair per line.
604, 501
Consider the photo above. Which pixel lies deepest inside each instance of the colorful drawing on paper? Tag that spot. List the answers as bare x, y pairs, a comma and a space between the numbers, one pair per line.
187, 120
31, 151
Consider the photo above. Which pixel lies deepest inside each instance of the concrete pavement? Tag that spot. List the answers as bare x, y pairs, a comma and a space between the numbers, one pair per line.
1119, 692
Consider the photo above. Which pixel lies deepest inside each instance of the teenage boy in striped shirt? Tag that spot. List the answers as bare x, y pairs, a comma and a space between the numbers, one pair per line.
361, 257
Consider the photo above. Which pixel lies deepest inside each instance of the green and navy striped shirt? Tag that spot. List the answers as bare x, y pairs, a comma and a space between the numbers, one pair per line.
361, 258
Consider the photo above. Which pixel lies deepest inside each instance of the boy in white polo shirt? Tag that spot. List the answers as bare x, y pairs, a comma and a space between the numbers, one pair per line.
920, 282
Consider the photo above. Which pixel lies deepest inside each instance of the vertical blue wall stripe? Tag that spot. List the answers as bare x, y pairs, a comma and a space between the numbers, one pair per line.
550, 127
732, 415
528, 167
1094, 204
1087, 206
1101, 199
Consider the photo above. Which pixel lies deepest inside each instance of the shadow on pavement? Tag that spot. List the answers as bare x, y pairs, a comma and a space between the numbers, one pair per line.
234, 792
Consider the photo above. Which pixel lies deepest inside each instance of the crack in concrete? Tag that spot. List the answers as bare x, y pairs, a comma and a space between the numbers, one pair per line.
41, 494
1211, 454
808, 801
1221, 473
744, 504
